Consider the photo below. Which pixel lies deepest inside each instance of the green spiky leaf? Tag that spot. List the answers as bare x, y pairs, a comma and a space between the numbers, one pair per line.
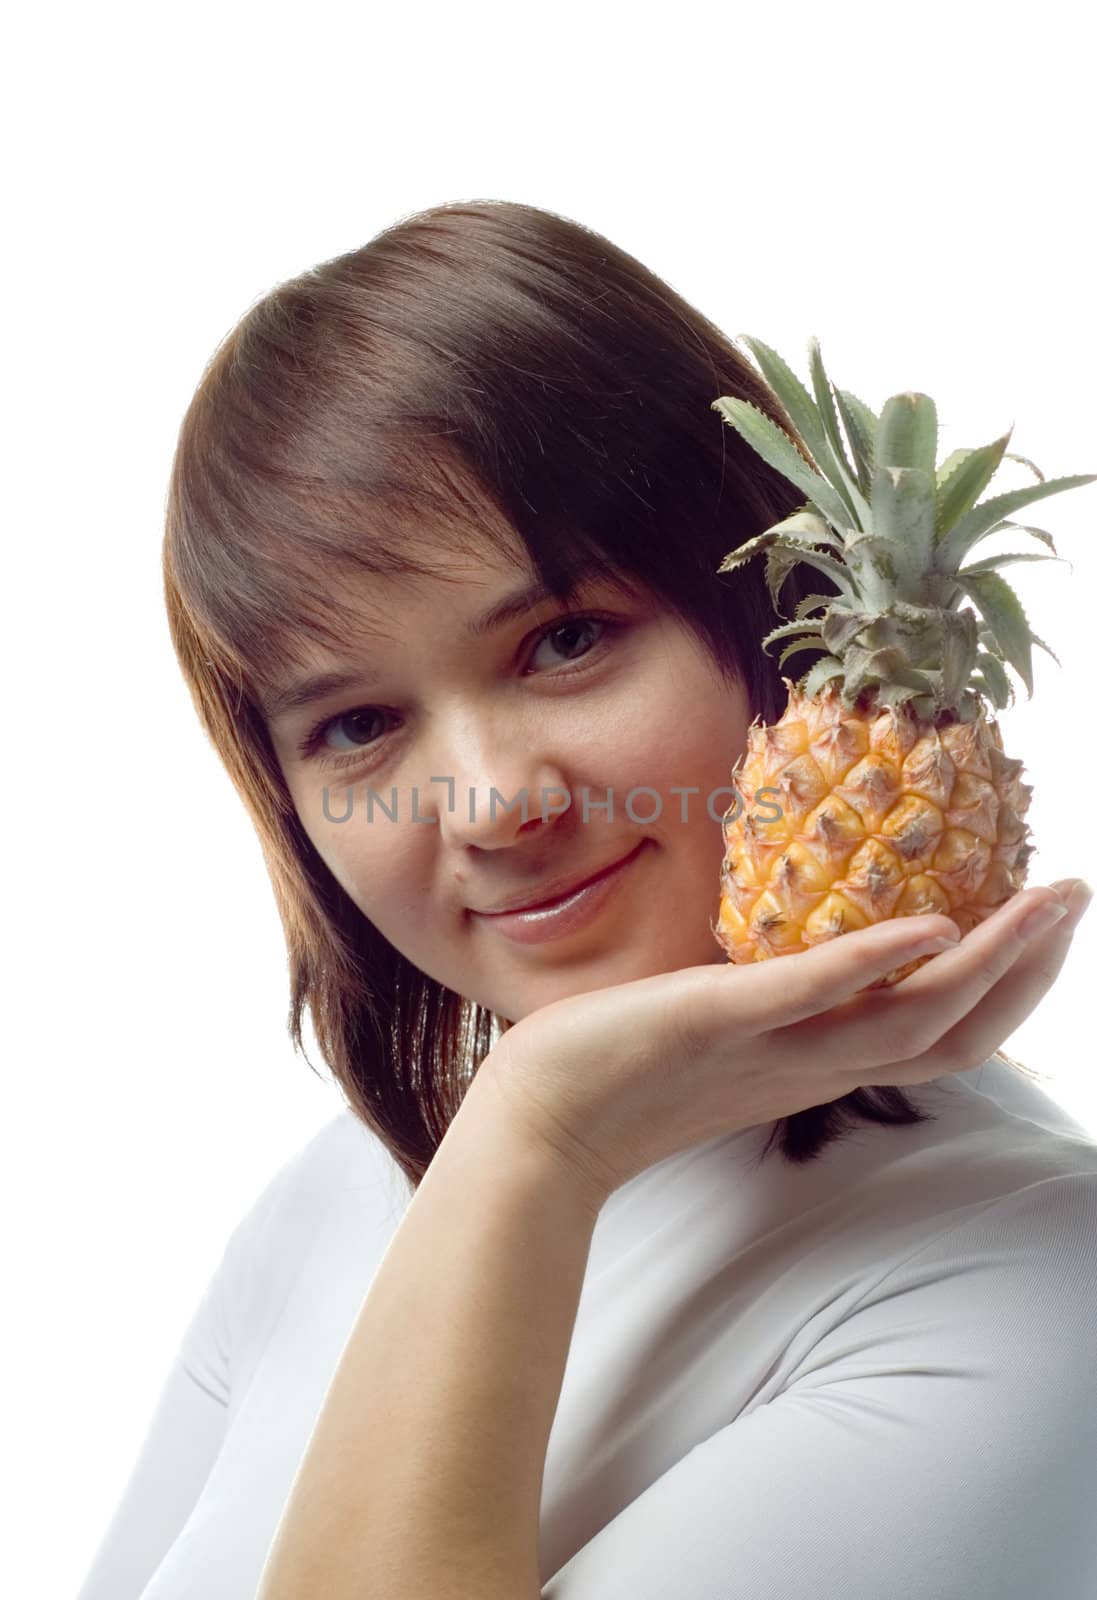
1047, 650
959, 648
907, 434
799, 550
996, 679
980, 520
805, 418
872, 669
1025, 462
825, 668
889, 667
992, 563
779, 563
808, 523
813, 602
883, 569
848, 486
891, 532
775, 447
962, 477
761, 542
861, 424
801, 644
788, 628
979, 684
902, 512
949, 465
1005, 616
1037, 533
781, 560
842, 627
896, 694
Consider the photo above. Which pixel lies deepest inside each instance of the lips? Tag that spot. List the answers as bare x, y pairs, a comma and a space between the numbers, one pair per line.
552, 891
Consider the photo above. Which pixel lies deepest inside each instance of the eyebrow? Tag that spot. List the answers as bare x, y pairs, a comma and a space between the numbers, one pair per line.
318, 685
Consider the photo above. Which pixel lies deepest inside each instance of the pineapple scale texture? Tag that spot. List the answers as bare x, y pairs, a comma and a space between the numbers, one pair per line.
882, 816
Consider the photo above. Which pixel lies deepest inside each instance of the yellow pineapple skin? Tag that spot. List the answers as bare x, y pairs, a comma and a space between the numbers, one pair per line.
883, 815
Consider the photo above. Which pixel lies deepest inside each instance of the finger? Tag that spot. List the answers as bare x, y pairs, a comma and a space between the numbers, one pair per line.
905, 1022
1013, 999
791, 989
1001, 1012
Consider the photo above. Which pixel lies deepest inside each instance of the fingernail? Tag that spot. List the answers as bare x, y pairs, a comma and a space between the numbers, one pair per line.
1079, 898
1040, 920
933, 947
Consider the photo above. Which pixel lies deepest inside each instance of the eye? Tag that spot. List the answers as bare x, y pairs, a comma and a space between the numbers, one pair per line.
568, 625
313, 743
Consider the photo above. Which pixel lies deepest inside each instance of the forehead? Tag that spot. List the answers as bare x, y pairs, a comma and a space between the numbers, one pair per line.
477, 596
382, 605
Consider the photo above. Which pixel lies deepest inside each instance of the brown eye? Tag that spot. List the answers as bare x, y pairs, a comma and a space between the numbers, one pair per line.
568, 628
314, 741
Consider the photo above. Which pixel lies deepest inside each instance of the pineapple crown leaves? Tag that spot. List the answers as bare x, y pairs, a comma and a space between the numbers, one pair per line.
891, 528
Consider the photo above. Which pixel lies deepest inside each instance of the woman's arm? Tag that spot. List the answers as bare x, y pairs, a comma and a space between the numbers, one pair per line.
424, 1471
423, 1474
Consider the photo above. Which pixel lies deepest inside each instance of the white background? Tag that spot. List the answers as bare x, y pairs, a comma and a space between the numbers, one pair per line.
914, 187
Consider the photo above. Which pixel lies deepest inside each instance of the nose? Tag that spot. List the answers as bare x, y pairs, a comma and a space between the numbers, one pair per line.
485, 795
492, 813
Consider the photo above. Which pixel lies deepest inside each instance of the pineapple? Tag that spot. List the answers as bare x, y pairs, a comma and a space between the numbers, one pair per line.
884, 790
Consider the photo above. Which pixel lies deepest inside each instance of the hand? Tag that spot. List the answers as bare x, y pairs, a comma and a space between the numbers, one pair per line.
613, 1081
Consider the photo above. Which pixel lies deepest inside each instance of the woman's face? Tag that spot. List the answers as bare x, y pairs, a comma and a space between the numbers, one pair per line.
607, 694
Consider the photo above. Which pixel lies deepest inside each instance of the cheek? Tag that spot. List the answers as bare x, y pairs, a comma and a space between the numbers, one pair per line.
684, 738
336, 849
362, 856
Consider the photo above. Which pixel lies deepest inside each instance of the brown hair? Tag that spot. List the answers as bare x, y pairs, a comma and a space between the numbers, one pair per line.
475, 365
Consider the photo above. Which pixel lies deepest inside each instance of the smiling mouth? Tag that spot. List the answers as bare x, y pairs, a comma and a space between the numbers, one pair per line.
563, 894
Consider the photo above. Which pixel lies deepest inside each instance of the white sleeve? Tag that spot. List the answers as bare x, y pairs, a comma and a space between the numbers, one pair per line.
179, 1447
940, 1443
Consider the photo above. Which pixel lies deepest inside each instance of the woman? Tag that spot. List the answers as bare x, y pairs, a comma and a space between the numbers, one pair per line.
697, 1300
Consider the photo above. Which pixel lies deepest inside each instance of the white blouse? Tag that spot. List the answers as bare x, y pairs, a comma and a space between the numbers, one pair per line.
873, 1374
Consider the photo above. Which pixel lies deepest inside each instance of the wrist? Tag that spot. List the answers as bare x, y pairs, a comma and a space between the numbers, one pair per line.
535, 1135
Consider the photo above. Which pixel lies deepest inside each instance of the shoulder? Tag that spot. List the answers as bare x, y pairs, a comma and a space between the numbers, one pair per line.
975, 1234
997, 1146
937, 1439
343, 1155
342, 1152
342, 1165
1006, 1289
1045, 1231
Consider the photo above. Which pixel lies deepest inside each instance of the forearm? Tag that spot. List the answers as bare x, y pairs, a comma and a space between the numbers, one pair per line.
423, 1474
